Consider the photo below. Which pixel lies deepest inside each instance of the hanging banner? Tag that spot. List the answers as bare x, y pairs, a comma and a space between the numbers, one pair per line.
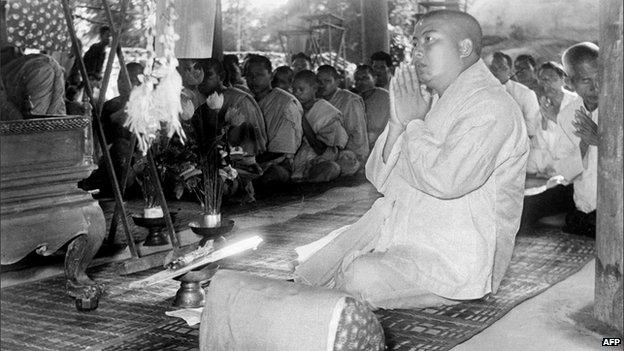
194, 25
37, 24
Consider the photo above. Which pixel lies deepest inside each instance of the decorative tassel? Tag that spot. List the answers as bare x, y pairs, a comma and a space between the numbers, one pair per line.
157, 101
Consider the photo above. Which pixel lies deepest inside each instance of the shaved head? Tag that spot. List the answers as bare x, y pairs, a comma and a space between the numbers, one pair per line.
460, 24
308, 77
577, 54
446, 43
580, 62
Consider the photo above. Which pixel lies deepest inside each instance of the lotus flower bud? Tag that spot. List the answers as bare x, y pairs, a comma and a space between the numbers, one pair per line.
215, 101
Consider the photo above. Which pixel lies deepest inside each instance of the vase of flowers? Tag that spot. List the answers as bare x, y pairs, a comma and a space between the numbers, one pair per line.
206, 178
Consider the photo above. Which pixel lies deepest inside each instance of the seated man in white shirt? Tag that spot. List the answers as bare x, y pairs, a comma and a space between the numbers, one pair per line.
525, 65
553, 98
550, 148
452, 177
579, 124
501, 67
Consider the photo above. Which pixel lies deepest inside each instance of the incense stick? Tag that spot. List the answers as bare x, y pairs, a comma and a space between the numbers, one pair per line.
229, 250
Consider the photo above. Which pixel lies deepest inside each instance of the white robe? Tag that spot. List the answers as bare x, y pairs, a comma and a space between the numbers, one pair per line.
550, 147
583, 171
326, 122
453, 189
527, 100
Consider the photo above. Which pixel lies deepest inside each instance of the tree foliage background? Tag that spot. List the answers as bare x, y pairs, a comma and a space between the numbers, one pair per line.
261, 30
89, 16
247, 26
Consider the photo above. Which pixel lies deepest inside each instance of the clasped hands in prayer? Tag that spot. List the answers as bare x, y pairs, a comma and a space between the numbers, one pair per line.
549, 108
407, 102
586, 129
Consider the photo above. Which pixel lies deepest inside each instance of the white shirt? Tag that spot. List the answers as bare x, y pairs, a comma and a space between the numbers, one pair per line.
453, 188
550, 147
529, 105
583, 171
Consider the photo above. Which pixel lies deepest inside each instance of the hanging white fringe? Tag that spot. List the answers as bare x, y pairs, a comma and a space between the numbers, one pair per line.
157, 102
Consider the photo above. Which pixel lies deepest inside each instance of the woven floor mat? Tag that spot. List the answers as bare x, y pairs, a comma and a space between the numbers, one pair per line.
540, 260
39, 316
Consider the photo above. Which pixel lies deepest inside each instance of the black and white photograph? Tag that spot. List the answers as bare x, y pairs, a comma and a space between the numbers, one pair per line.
311, 175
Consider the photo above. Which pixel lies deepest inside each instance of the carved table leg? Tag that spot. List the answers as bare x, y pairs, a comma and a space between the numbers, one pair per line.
77, 260
79, 254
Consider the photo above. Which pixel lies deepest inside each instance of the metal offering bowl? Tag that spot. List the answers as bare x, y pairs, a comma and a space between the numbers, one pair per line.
155, 236
191, 294
208, 233
198, 274
152, 222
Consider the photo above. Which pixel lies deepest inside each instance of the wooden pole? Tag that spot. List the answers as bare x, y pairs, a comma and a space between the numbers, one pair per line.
116, 48
375, 27
239, 27
111, 57
4, 40
175, 242
217, 43
99, 131
117, 33
609, 233
124, 181
362, 31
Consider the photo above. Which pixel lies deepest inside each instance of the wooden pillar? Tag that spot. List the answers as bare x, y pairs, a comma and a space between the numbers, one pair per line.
608, 298
299, 43
3, 26
197, 25
217, 44
374, 28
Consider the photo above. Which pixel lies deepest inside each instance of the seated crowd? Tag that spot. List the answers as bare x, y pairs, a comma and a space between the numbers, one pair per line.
282, 125
302, 123
559, 103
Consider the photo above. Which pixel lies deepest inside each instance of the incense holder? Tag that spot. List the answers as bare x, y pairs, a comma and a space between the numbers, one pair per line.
154, 226
211, 220
191, 293
207, 233
153, 212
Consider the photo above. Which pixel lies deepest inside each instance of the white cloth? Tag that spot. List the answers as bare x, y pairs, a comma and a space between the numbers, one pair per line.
527, 100
326, 122
550, 147
354, 121
582, 171
191, 316
453, 189
244, 311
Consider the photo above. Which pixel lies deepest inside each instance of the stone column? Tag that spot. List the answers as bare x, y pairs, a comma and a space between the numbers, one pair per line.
608, 298
374, 28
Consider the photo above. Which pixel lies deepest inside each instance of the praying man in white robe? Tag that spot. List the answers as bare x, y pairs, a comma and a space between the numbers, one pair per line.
452, 178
